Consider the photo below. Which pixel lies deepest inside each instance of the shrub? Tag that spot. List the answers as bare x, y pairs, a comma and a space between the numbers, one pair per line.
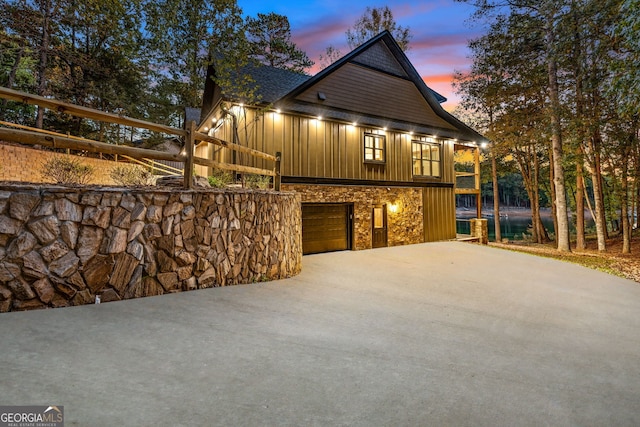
261, 182
66, 170
131, 175
220, 179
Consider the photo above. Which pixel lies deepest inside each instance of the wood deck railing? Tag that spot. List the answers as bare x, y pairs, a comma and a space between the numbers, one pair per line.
190, 136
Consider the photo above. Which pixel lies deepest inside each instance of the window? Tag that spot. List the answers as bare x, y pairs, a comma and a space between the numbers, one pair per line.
374, 148
378, 217
426, 159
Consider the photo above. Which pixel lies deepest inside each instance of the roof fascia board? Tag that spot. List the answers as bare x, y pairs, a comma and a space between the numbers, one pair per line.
331, 68
404, 62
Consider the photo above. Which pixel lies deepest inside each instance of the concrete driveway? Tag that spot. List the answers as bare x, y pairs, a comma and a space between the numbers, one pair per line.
435, 334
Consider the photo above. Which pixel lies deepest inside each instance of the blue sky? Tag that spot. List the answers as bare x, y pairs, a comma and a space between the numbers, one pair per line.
440, 28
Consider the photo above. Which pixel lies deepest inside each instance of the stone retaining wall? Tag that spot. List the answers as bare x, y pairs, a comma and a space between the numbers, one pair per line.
62, 246
14, 158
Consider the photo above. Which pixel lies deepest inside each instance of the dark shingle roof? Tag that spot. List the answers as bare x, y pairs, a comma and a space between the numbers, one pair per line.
274, 83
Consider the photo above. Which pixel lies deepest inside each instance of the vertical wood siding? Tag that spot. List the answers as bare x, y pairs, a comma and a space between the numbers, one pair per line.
439, 214
378, 94
325, 149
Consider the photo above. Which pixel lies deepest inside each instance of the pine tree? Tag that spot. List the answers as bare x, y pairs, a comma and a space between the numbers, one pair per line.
269, 36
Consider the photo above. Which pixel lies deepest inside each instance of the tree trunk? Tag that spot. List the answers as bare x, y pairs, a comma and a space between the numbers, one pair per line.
580, 240
603, 189
496, 196
535, 201
552, 185
531, 184
596, 178
624, 215
578, 50
562, 231
541, 231
624, 199
535, 214
635, 206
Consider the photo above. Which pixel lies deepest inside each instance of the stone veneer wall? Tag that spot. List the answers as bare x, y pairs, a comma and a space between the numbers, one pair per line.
404, 226
63, 246
14, 158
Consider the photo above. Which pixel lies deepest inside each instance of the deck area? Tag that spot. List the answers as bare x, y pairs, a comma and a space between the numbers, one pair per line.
467, 238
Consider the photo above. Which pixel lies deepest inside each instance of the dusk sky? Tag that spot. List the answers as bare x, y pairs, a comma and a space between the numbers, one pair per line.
440, 28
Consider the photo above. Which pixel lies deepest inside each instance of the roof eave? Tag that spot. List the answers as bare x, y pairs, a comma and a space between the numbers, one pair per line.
429, 95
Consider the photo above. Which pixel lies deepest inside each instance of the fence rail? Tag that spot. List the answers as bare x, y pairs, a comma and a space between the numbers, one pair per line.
153, 165
190, 136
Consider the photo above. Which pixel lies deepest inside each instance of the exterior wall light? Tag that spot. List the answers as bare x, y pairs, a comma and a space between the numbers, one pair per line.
393, 208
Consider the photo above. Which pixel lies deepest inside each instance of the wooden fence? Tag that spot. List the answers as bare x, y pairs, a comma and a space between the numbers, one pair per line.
190, 136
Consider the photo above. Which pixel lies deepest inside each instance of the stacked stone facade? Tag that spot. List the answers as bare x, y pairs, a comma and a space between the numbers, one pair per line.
405, 226
63, 246
24, 164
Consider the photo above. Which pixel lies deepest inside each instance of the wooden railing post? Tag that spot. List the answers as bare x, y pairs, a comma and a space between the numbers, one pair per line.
190, 134
476, 169
189, 144
277, 178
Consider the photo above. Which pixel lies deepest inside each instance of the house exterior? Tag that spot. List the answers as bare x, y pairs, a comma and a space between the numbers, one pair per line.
365, 142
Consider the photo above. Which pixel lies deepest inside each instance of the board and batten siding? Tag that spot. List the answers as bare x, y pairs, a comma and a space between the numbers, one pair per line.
323, 149
439, 210
402, 99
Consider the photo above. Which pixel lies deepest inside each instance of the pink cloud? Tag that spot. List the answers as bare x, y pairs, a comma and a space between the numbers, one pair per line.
319, 35
432, 79
409, 10
427, 41
449, 62
315, 37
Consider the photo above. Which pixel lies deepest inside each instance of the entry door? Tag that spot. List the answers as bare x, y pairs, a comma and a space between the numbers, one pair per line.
379, 226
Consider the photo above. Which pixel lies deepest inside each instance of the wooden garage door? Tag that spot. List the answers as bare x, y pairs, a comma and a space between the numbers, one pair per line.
326, 227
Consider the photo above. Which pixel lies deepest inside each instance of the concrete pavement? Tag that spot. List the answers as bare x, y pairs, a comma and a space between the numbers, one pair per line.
434, 334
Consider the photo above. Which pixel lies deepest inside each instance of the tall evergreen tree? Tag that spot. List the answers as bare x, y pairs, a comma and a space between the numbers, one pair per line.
626, 77
547, 13
269, 36
505, 86
186, 36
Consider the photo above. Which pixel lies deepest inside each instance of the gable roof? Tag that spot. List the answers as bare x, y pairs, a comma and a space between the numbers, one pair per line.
274, 83
374, 85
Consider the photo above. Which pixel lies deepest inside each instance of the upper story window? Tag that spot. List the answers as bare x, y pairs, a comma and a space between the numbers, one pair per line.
426, 159
374, 148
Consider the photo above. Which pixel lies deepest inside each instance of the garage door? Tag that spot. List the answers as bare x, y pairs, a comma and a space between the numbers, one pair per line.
326, 227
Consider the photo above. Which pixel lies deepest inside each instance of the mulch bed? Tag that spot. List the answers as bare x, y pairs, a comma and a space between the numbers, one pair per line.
611, 261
